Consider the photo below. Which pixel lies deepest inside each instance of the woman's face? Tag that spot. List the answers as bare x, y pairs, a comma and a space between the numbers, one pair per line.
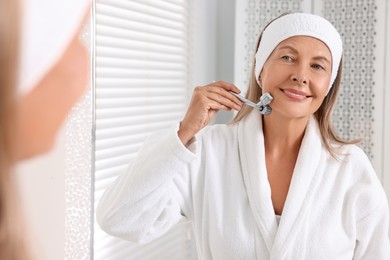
297, 75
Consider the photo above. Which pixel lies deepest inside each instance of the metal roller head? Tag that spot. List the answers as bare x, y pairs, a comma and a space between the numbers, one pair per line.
265, 99
262, 106
265, 110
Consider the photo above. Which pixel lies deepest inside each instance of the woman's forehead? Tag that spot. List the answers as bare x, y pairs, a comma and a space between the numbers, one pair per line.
307, 43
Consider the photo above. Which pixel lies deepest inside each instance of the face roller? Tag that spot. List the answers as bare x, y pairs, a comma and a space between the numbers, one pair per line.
262, 106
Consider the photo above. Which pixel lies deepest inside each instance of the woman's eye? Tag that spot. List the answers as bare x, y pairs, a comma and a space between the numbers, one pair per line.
287, 58
317, 67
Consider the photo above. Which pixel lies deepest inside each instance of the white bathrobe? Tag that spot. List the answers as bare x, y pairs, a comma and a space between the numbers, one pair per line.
334, 209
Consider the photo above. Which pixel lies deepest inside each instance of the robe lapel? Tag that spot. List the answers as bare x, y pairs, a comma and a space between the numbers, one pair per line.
252, 158
302, 188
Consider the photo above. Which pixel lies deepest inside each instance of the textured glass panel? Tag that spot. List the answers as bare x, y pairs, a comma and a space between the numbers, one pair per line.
356, 22
78, 172
258, 14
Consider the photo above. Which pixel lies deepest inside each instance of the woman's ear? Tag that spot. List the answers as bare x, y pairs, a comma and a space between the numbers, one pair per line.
259, 82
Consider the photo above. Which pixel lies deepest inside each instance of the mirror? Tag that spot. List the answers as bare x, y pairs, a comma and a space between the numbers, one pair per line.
184, 44
223, 35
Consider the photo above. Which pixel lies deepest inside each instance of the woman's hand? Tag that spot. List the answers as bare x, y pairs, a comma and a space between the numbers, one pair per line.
205, 103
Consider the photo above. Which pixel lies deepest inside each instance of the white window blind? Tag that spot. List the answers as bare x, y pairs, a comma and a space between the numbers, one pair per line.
141, 84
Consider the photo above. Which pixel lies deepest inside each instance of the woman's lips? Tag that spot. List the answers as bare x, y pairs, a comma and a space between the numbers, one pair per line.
295, 94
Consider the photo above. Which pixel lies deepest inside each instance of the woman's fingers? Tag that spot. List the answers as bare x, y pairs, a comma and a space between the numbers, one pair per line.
223, 89
223, 85
205, 102
215, 105
226, 99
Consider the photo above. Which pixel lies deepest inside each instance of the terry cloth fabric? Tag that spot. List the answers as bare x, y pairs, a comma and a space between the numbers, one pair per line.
333, 210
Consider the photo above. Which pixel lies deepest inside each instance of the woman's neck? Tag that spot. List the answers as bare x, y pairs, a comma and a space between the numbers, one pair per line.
283, 134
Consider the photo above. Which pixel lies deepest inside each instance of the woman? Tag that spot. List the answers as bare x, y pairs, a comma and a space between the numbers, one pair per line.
29, 123
281, 186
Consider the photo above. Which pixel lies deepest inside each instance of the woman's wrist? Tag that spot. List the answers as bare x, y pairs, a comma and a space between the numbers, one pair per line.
184, 134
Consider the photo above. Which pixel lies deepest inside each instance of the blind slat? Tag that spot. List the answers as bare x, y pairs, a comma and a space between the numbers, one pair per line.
141, 120
138, 101
129, 26
145, 11
123, 83
126, 112
142, 72
163, 39
102, 133
127, 53
162, 90
138, 64
153, 47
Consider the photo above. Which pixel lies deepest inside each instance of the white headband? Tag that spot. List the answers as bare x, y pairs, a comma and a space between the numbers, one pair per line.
303, 25
48, 26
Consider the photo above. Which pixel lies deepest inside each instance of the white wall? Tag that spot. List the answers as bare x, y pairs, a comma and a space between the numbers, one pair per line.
384, 10
203, 42
42, 182
213, 45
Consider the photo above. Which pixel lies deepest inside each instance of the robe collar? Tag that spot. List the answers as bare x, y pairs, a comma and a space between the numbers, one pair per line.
302, 187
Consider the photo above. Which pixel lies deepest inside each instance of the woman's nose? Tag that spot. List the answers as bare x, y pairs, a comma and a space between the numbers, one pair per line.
299, 75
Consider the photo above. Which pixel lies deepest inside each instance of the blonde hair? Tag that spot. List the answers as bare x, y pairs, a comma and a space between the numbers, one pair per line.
12, 245
323, 115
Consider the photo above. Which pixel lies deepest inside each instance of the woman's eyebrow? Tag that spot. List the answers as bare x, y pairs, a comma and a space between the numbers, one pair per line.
292, 49
322, 58
288, 47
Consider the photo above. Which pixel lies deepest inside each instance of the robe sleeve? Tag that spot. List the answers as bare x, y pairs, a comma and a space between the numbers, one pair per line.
372, 233
152, 195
